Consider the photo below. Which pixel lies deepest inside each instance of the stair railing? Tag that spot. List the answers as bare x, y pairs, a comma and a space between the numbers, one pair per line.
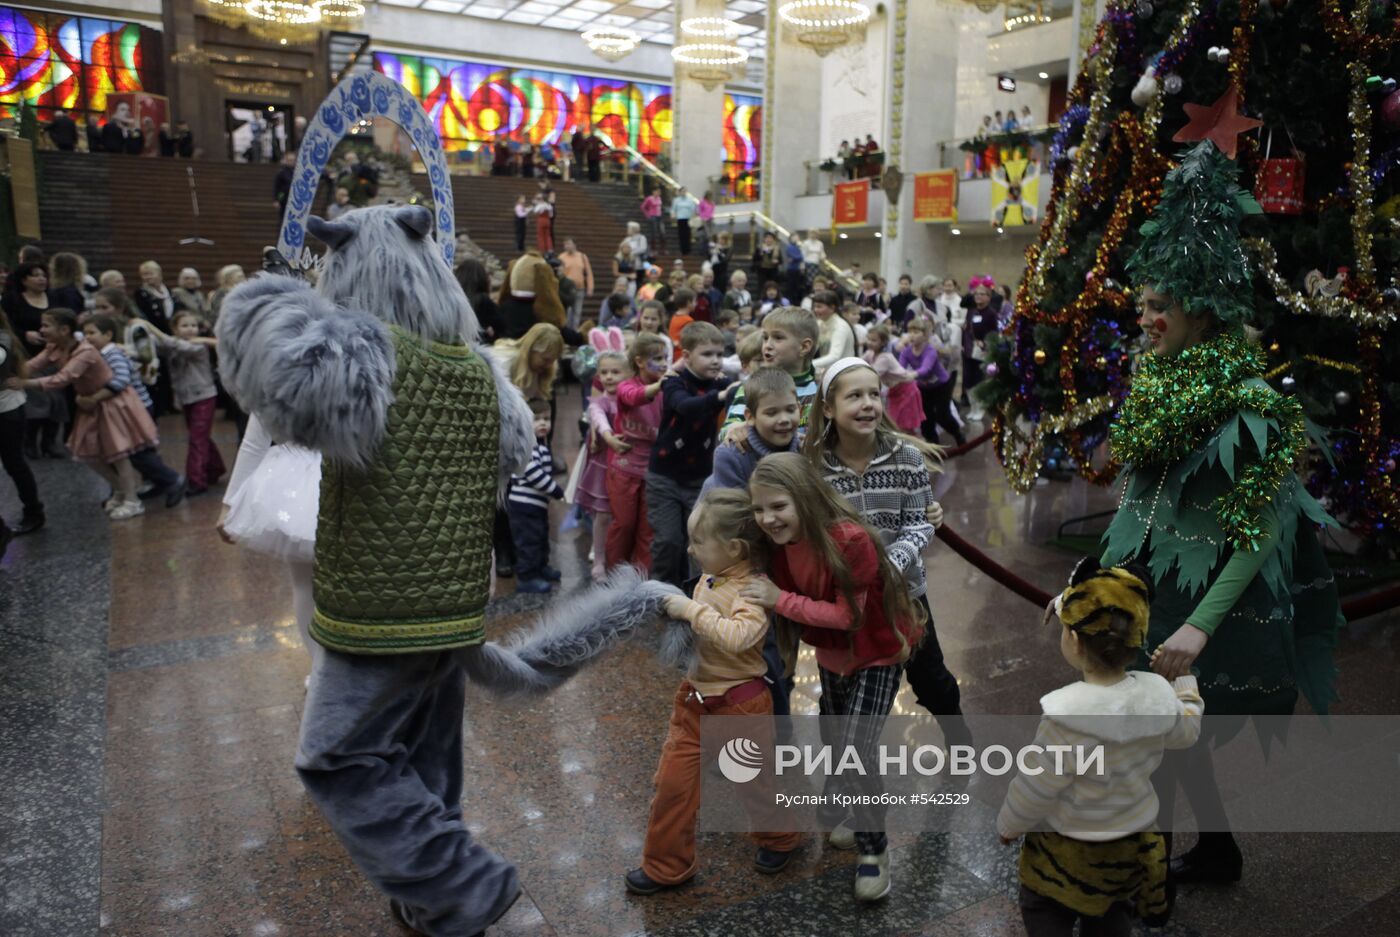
756, 218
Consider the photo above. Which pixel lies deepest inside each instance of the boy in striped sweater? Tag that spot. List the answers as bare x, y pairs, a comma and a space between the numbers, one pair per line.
1102, 858
528, 509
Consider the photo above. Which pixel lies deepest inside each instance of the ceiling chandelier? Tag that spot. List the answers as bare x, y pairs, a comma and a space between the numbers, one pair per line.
286, 22
1021, 13
823, 25
611, 42
709, 52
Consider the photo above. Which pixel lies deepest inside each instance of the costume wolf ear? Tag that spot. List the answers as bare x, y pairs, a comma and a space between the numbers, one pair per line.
334, 234
416, 220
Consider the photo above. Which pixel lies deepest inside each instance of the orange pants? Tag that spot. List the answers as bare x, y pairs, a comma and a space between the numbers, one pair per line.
668, 855
629, 534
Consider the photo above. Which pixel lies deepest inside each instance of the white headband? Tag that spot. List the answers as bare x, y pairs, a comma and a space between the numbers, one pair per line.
841, 364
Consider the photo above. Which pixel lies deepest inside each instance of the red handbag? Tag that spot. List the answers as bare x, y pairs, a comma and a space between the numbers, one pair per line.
1279, 186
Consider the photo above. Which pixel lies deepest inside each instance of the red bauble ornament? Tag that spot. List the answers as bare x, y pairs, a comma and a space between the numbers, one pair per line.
1389, 109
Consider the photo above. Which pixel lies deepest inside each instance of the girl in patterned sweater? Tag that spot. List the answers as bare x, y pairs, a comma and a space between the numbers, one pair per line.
884, 475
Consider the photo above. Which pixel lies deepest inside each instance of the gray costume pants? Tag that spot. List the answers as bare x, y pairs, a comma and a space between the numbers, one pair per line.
381, 755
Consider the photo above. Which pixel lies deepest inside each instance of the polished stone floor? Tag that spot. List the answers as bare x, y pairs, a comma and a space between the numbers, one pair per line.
151, 686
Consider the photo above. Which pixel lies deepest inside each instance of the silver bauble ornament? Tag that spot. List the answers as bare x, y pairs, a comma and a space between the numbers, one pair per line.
1342, 398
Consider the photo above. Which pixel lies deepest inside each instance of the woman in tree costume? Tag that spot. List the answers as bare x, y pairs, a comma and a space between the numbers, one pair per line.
1210, 503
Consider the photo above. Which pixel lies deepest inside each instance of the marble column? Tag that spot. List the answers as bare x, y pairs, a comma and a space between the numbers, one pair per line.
697, 112
922, 109
792, 115
185, 83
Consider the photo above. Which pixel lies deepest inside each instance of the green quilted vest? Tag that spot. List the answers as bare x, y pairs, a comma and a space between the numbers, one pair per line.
403, 547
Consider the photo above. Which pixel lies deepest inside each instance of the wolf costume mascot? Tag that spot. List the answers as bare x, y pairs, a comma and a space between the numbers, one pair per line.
376, 369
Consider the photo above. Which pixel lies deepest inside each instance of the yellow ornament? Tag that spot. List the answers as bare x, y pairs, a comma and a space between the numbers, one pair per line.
1040, 356
1273, 348
1101, 362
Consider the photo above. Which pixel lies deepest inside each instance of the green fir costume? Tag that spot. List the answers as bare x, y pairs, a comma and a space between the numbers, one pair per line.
1210, 502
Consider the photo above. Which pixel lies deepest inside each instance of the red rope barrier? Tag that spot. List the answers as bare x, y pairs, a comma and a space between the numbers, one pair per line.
1382, 600
1033, 594
967, 447
1372, 603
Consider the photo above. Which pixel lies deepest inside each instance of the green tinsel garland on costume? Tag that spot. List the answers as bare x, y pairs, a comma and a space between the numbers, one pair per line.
1176, 403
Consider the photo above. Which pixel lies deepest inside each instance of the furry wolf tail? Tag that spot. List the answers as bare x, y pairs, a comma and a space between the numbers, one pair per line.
569, 634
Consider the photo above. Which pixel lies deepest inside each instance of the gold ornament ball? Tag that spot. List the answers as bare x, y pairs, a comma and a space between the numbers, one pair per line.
1040, 356
1273, 348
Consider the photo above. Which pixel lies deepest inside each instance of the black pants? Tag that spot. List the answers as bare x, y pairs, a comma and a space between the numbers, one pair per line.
938, 411
1045, 917
12, 458
972, 374
529, 527
153, 468
502, 541
683, 233
934, 686
519, 233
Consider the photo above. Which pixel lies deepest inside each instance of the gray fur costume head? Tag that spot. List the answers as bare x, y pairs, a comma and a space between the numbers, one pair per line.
384, 260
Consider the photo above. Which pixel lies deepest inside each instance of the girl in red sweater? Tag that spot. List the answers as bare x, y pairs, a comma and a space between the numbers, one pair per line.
830, 575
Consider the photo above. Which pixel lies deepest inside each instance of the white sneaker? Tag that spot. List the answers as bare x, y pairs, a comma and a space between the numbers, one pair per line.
126, 510
146, 488
843, 837
873, 887
112, 503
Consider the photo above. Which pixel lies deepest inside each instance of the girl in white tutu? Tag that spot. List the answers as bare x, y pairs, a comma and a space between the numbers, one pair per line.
270, 507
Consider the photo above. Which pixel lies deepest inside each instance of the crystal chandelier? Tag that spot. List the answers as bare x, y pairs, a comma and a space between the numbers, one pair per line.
287, 22
823, 25
1021, 13
709, 52
611, 42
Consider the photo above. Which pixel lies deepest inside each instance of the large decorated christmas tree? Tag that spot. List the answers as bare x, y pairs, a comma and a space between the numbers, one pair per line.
1304, 95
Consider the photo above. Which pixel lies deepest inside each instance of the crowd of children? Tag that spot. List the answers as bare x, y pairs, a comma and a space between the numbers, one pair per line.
785, 487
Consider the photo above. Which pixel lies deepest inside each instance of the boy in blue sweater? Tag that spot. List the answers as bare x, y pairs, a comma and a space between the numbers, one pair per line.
693, 398
771, 418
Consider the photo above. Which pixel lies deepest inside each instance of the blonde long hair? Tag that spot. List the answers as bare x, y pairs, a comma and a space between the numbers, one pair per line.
822, 433
819, 508
542, 337
16, 363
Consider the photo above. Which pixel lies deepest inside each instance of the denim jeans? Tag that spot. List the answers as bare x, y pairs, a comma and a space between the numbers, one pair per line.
381, 755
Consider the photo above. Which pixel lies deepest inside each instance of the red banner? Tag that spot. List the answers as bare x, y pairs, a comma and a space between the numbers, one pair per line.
850, 204
936, 196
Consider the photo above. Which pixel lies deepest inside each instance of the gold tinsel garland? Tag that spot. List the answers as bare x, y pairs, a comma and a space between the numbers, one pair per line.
1332, 307
1023, 455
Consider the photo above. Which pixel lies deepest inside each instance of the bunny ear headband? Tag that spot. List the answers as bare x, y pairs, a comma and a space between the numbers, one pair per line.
609, 339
